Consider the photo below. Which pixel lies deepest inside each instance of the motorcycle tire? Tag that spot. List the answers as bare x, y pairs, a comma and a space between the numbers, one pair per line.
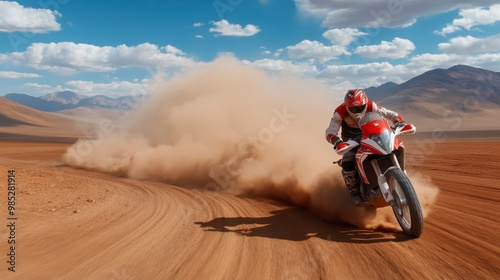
407, 207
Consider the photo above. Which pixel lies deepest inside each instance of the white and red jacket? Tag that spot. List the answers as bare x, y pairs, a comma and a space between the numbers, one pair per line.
350, 128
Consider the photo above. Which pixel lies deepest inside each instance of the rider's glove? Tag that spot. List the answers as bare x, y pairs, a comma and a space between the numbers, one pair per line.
400, 124
340, 146
334, 139
336, 142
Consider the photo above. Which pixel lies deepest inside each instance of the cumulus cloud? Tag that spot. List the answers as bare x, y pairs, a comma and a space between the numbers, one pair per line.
284, 66
377, 73
17, 18
398, 48
69, 58
224, 28
198, 36
44, 88
429, 61
17, 75
343, 36
380, 13
91, 88
364, 75
470, 18
316, 50
198, 24
173, 50
115, 88
469, 44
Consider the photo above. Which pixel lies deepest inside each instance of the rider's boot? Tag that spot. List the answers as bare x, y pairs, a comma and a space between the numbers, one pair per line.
351, 181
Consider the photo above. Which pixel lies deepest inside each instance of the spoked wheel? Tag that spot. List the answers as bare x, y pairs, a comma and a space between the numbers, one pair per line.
406, 208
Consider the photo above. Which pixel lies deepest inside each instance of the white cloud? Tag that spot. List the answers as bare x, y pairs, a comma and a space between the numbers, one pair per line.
428, 61
17, 18
473, 17
469, 44
224, 28
284, 66
450, 28
398, 48
316, 50
173, 50
16, 75
343, 36
340, 76
377, 73
364, 75
278, 52
90, 88
69, 58
43, 88
198, 36
380, 13
115, 88
198, 24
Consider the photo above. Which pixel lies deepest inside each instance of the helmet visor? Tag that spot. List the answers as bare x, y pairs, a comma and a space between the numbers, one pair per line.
356, 109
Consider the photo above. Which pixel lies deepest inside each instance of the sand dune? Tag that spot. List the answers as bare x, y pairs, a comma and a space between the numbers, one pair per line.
18, 122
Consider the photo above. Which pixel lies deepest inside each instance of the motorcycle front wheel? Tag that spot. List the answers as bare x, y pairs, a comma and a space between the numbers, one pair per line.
406, 207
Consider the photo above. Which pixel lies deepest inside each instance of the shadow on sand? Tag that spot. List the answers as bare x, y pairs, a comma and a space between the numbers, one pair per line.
296, 224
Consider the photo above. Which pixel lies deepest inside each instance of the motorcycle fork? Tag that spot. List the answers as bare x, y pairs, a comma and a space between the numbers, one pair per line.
376, 167
382, 181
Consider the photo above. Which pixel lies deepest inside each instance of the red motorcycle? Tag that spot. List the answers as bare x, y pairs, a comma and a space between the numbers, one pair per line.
380, 164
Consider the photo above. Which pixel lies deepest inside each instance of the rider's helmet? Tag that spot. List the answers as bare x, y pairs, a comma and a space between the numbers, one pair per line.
356, 102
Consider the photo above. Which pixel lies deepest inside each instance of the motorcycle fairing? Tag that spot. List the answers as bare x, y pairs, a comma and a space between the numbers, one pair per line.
379, 142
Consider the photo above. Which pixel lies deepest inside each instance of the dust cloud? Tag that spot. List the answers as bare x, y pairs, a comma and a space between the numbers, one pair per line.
227, 126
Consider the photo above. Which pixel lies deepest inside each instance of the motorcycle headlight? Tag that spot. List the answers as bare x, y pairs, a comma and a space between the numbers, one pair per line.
383, 140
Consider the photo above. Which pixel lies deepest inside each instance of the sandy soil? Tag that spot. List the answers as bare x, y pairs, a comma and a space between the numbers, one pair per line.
78, 224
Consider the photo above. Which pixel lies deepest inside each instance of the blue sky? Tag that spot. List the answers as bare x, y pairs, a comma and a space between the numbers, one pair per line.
115, 47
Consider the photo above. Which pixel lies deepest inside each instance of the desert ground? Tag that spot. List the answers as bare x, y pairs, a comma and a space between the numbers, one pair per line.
75, 223
80, 224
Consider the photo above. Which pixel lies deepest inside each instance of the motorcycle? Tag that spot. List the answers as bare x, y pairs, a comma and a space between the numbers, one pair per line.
380, 164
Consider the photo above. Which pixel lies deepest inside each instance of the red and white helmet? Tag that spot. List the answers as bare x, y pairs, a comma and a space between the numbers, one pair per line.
356, 102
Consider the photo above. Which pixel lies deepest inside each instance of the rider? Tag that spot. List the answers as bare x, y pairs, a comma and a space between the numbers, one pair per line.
347, 116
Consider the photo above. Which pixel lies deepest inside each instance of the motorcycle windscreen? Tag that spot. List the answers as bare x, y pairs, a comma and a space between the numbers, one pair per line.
383, 141
377, 133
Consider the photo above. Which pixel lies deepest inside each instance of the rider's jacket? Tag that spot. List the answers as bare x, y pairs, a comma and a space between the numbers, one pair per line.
350, 128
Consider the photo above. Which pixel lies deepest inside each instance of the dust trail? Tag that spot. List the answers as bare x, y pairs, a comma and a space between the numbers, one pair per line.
226, 126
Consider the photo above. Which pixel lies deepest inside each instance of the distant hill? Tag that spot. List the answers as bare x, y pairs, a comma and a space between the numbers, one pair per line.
378, 93
93, 114
121, 103
454, 83
20, 114
63, 97
36, 102
457, 98
19, 122
66, 100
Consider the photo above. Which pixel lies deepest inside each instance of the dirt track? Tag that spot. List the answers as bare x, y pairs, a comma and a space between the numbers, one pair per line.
78, 224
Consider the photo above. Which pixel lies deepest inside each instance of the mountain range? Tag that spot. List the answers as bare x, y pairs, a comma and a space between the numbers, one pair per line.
65, 100
457, 82
458, 98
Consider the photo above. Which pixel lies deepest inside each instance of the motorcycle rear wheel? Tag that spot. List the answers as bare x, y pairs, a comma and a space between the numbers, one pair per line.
407, 207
